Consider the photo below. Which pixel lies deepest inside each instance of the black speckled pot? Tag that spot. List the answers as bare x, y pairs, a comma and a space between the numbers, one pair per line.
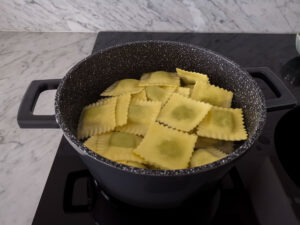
155, 188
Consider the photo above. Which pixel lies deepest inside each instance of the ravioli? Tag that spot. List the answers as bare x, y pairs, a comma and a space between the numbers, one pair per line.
116, 146
223, 124
191, 77
212, 94
205, 156
122, 109
97, 118
140, 96
125, 86
183, 113
140, 116
157, 122
191, 87
225, 146
166, 148
159, 78
185, 91
157, 93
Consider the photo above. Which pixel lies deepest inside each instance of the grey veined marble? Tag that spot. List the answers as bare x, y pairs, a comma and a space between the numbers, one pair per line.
27, 155
151, 15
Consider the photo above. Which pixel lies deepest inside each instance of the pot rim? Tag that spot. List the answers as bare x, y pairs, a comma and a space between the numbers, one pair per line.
241, 150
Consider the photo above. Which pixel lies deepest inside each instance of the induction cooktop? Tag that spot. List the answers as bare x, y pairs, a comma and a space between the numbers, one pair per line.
262, 189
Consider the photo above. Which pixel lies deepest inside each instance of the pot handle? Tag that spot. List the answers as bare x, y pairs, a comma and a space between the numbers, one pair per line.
284, 98
72, 178
26, 118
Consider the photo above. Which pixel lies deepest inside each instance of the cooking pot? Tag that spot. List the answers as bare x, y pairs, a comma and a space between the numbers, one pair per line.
83, 84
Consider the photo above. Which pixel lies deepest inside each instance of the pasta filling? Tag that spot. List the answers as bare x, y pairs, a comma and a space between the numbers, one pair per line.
166, 148
223, 124
183, 113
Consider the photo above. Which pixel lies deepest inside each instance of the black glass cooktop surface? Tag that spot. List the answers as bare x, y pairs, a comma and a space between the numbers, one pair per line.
261, 189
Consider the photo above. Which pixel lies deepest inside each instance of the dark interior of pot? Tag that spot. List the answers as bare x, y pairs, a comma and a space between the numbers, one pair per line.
84, 83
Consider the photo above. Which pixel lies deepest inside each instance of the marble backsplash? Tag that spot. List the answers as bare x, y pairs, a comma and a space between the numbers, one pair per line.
275, 16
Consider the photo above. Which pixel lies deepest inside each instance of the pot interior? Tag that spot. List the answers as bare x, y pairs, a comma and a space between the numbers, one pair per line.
84, 83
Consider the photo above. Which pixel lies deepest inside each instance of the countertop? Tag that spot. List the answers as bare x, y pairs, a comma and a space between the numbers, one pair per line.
26, 156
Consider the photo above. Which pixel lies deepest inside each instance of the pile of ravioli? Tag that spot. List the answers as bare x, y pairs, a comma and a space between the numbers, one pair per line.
163, 121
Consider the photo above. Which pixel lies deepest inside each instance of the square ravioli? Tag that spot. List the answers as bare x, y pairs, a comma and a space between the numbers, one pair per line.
141, 96
189, 77
224, 146
120, 87
166, 148
212, 94
157, 93
183, 113
160, 78
116, 146
140, 116
185, 91
189, 86
223, 124
205, 156
97, 118
122, 109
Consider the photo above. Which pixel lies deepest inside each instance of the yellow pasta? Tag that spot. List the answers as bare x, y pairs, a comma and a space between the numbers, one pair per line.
183, 113
205, 156
103, 100
224, 146
151, 123
190, 86
115, 146
157, 93
224, 124
166, 148
141, 96
212, 94
159, 78
133, 164
125, 86
203, 142
140, 116
185, 91
191, 77
97, 118
122, 109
